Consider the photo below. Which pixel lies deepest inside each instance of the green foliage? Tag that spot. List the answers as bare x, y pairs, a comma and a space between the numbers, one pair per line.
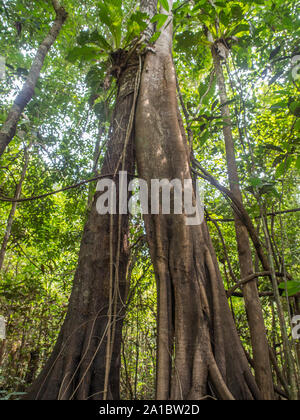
118, 30
62, 124
160, 19
290, 288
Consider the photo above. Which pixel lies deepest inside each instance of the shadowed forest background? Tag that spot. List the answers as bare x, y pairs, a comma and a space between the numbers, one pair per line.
237, 86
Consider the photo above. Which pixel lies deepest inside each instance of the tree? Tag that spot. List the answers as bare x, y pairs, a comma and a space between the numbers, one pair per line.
9, 128
253, 305
138, 69
85, 363
192, 303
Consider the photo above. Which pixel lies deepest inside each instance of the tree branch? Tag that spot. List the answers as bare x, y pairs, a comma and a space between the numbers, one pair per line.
252, 277
71, 187
276, 213
9, 128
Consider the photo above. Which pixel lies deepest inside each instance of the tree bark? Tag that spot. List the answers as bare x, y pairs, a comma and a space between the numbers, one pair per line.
9, 128
262, 366
195, 324
97, 153
85, 363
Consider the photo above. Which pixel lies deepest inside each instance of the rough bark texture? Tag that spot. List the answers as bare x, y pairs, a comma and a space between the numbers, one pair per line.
194, 320
262, 366
9, 128
80, 364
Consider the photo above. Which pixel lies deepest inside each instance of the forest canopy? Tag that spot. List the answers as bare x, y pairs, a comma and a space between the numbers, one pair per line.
144, 307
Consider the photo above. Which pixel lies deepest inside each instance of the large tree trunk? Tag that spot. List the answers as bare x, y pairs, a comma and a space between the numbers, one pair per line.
85, 363
262, 366
195, 322
9, 128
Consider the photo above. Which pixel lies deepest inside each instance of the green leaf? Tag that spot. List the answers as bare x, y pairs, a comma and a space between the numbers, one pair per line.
203, 139
295, 108
186, 40
160, 19
256, 182
284, 167
111, 14
293, 288
94, 38
269, 189
273, 147
155, 37
83, 53
298, 164
243, 27
237, 11
136, 24
279, 105
165, 5
224, 18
